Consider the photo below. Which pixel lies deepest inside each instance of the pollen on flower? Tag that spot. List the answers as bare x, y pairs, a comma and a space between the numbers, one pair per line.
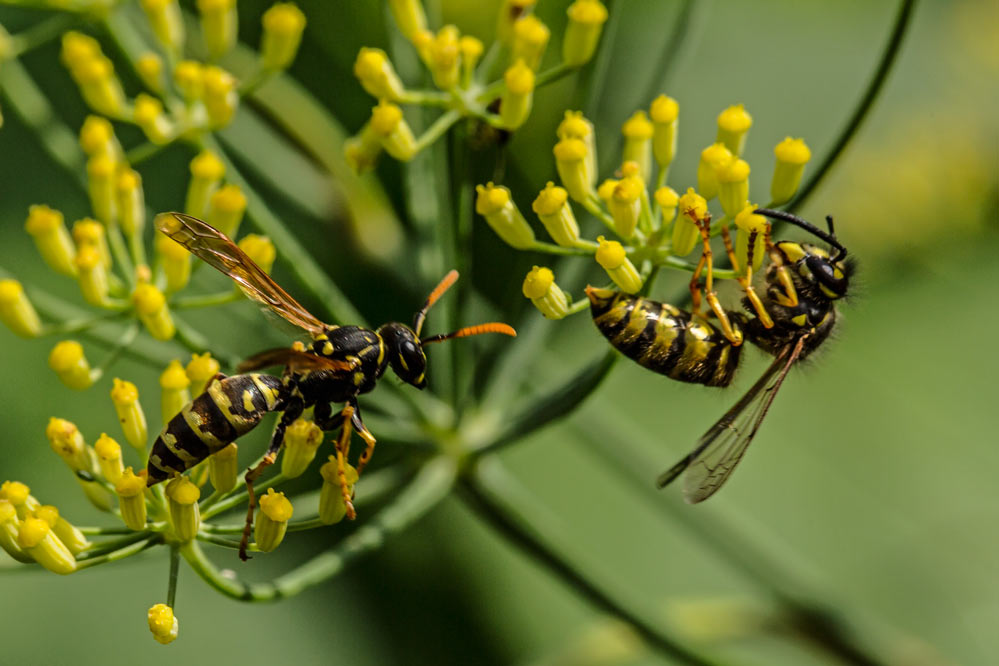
538, 281
162, 623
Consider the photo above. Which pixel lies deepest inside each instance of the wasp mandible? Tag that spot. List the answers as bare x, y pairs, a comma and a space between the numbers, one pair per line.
790, 320
341, 363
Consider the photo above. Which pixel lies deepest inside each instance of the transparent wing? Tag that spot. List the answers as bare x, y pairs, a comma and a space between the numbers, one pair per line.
721, 448
294, 359
215, 248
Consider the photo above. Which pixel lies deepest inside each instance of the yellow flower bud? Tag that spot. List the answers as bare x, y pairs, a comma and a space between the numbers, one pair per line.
667, 198
638, 132
90, 232
16, 311
510, 12
206, 175
219, 23
148, 115
189, 77
174, 393
496, 205
301, 441
748, 223
540, 287
733, 124
20, 497
625, 204
149, 67
176, 262
100, 185
553, 209
67, 441
131, 202
664, 113
65, 531
518, 93
362, 150
393, 131
131, 489
70, 364
151, 306
530, 37
125, 397
109, 458
77, 49
573, 168
220, 96
409, 16
37, 539
283, 26
272, 523
99, 86
733, 186
586, 21
471, 49
163, 624
9, 524
92, 275
713, 158
182, 499
377, 76
792, 156
97, 138
575, 126
444, 57
48, 230
223, 468
612, 257
693, 207
226, 208
260, 249
166, 21
200, 371
331, 505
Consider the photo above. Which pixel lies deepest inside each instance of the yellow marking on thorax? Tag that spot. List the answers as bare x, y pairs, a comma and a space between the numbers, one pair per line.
793, 251
799, 320
327, 348
358, 378
381, 351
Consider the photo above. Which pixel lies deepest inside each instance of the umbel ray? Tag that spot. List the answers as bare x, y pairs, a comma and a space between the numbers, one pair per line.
341, 363
791, 318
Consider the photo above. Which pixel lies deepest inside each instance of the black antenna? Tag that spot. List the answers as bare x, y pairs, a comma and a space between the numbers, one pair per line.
829, 237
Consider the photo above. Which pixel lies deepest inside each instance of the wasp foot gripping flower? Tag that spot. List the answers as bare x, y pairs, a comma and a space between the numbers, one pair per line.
332, 508
553, 209
70, 364
151, 306
664, 113
125, 397
693, 208
792, 156
260, 249
174, 393
16, 311
36, 538
163, 624
530, 37
733, 123
49, 232
713, 158
574, 168
148, 115
377, 76
219, 23
109, 458
393, 131
131, 491
223, 468
19, 495
206, 175
586, 21
283, 26
733, 186
9, 525
496, 205
182, 499
638, 132
65, 531
515, 105
545, 294
612, 257
200, 370
301, 441
750, 226
272, 523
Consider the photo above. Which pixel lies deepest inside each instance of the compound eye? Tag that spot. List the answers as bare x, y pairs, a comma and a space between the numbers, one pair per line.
825, 274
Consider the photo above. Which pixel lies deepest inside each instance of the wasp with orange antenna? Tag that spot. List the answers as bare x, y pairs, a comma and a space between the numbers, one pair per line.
341, 363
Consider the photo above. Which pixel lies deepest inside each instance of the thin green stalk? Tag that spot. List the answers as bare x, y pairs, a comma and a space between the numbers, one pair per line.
207, 300
127, 338
120, 554
586, 250
103, 531
174, 571
503, 503
242, 497
82, 324
144, 151
437, 129
197, 343
104, 547
903, 19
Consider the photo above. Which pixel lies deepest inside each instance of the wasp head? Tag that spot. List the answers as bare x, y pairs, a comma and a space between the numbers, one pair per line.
405, 354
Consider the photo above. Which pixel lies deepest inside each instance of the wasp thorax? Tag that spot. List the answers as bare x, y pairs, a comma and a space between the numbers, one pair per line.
820, 274
405, 354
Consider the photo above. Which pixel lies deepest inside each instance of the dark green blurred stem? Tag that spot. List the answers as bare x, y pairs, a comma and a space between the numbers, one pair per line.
174, 571
666, 64
195, 342
41, 33
512, 512
434, 481
903, 20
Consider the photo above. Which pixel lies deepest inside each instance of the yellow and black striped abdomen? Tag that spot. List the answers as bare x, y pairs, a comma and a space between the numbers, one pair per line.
665, 339
229, 408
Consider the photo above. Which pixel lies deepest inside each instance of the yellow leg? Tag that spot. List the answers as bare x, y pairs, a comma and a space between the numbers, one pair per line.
251, 476
342, 449
746, 280
790, 296
733, 336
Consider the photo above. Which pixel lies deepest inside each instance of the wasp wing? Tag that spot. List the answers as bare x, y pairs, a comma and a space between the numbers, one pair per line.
295, 359
215, 248
721, 448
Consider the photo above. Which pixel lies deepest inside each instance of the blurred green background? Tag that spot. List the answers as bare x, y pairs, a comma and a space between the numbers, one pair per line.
873, 478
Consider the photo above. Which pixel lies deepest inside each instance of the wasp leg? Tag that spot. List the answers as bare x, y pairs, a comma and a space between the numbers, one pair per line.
745, 280
342, 448
790, 296
732, 335
326, 419
365, 434
293, 411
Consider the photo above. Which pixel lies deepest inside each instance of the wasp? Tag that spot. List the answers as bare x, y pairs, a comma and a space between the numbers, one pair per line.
341, 363
790, 320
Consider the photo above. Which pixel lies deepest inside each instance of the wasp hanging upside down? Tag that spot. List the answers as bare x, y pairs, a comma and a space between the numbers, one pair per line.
341, 363
796, 314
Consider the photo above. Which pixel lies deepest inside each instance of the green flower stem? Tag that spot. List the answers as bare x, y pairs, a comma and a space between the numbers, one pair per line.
105, 547
81, 324
683, 264
231, 544
810, 607
120, 253
593, 207
257, 77
197, 343
127, 338
144, 151
207, 300
428, 488
513, 512
241, 498
172, 578
427, 98
105, 531
437, 129
584, 249
579, 306
553, 74
903, 19
40, 33
121, 553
